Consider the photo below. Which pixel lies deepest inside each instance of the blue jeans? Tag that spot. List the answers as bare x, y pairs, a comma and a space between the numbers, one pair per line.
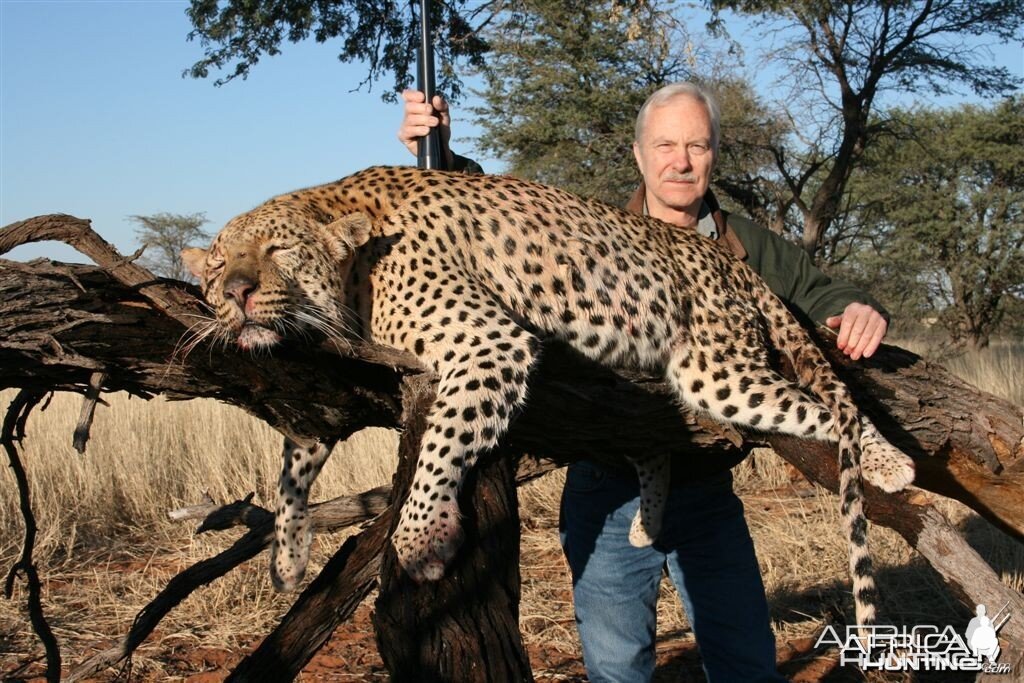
710, 557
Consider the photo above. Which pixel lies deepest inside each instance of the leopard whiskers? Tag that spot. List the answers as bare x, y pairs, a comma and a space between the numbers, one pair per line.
287, 327
325, 327
333, 329
205, 328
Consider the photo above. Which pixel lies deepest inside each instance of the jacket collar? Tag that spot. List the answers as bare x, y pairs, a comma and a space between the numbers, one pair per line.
726, 236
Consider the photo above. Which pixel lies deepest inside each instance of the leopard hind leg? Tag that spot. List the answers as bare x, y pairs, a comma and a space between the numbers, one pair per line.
654, 475
882, 464
737, 385
747, 392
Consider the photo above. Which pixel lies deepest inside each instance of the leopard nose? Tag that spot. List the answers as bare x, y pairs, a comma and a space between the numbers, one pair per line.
239, 288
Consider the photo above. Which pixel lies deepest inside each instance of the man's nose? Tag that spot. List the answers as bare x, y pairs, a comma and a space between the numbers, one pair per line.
681, 159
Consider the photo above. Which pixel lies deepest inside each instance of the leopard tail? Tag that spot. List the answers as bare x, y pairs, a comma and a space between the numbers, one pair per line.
816, 375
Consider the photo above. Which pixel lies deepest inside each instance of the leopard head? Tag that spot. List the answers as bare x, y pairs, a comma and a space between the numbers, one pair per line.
279, 271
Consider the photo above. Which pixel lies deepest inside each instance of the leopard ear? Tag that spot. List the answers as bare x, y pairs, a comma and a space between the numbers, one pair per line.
194, 259
353, 229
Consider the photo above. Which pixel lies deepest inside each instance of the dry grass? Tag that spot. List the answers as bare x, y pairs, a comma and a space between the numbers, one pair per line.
106, 546
997, 369
103, 526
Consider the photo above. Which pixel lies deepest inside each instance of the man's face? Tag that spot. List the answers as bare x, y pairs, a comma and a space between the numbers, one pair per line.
676, 157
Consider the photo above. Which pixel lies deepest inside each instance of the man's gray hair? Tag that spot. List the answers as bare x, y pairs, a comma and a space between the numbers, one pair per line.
666, 94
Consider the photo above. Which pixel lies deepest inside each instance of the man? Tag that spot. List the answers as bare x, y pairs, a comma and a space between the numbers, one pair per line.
704, 544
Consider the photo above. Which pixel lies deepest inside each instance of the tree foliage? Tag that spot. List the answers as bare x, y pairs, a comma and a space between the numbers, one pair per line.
236, 34
164, 236
837, 58
382, 33
948, 200
566, 79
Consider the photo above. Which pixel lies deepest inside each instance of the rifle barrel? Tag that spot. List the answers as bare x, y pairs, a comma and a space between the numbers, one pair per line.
428, 148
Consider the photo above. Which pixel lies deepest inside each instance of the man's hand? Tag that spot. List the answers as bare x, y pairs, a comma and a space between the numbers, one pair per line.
861, 329
419, 117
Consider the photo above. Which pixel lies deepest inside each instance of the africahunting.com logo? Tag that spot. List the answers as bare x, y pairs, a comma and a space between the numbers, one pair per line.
922, 648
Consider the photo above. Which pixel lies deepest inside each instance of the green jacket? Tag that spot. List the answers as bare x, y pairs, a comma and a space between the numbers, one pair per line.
789, 272
785, 267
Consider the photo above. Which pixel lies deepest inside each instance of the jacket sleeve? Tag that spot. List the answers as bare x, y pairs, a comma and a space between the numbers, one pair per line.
790, 273
465, 164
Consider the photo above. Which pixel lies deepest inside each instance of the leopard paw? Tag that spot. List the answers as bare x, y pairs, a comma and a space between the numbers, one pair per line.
427, 539
882, 464
643, 535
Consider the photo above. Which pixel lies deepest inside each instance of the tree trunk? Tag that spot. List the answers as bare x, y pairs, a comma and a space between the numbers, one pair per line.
811, 238
464, 627
75, 327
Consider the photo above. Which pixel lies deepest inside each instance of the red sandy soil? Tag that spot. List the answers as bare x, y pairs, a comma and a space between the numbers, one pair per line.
351, 655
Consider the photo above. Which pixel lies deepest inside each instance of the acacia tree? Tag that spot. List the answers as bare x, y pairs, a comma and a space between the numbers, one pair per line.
236, 34
837, 58
948, 200
164, 236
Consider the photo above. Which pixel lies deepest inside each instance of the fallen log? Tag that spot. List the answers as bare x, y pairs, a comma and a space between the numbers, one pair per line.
73, 328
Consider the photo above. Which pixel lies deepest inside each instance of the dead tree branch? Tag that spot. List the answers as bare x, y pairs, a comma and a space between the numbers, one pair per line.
60, 325
329, 600
14, 430
333, 515
176, 590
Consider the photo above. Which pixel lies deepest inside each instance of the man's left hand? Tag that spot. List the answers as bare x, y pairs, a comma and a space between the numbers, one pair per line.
861, 329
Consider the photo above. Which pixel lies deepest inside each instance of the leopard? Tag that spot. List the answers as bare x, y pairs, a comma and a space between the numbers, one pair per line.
471, 274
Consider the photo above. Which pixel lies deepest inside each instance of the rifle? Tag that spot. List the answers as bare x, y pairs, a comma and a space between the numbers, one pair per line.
428, 148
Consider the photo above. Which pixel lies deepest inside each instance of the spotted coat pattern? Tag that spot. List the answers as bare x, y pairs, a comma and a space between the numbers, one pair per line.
469, 273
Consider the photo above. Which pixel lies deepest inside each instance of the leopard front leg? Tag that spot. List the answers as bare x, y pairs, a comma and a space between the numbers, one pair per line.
293, 530
482, 383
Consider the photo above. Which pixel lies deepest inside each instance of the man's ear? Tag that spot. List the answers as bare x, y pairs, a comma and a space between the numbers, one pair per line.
352, 229
194, 259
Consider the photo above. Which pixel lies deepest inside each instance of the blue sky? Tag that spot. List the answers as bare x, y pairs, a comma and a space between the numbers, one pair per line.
97, 121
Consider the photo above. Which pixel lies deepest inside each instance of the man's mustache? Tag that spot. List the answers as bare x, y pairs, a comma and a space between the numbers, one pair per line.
679, 177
